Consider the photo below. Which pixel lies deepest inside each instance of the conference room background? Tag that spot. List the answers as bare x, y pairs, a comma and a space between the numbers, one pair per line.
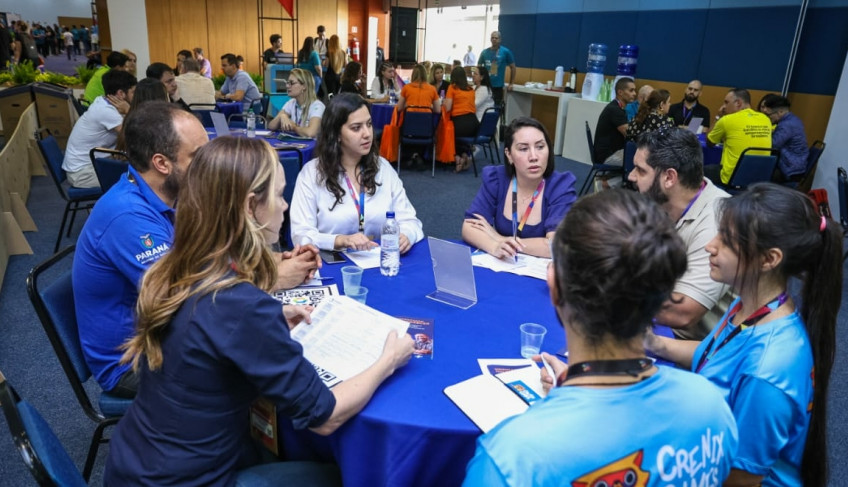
724, 43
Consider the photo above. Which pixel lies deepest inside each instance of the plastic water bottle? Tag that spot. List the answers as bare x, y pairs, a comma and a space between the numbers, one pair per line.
392, 96
390, 246
251, 124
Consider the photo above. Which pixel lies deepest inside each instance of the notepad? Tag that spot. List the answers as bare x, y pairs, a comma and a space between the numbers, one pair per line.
695, 124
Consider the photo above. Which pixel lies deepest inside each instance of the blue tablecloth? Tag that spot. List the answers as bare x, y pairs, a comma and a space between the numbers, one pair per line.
712, 154
410, 433
381, 115
229, 107
306, 152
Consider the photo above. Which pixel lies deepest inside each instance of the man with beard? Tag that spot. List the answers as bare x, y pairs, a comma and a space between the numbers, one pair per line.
683, 112
131, 227
669, 168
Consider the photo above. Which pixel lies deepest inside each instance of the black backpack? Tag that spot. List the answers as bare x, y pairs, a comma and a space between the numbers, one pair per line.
28, 50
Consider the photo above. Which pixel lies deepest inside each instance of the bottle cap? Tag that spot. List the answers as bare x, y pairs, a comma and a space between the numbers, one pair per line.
390, 214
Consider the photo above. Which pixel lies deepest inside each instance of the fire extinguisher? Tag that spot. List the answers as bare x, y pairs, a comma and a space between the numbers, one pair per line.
354, 48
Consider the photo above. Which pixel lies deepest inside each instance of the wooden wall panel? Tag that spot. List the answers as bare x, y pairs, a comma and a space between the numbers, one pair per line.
160, 27
313, 13
232, 28
191, 30
103, 28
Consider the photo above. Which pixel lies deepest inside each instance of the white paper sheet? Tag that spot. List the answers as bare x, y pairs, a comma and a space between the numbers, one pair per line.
527, 265
366, 259
485, 400
345, 337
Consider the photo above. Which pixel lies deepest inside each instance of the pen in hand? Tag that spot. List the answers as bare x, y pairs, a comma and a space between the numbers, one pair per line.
549, 369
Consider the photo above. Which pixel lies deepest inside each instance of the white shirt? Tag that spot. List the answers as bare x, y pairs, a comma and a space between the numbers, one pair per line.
194, 88
295, 112
483, 100
377, 93
96, 128
311, 216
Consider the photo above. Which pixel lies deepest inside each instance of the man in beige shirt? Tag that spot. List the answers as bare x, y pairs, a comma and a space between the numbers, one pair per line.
193, 87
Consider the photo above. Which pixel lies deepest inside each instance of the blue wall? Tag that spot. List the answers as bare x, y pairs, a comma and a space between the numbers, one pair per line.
720, 42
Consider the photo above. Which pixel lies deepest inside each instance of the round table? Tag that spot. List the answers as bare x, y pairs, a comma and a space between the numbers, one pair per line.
410, 433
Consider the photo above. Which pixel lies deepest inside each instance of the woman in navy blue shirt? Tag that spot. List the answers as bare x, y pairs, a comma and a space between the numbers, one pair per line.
210, 339
519, 205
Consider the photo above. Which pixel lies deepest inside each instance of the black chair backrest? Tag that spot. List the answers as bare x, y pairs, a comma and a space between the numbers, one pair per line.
591, 143
754, 168
629, 153
202, 111
842, 188
43, 454
815, 153
108, 169
417, 123
54, 305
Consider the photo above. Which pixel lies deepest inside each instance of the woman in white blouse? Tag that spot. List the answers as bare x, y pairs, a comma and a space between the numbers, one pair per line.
383, 83
482, 90
302, 113
341, 198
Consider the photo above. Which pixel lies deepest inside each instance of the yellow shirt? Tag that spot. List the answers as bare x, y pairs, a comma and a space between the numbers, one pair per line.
739, 131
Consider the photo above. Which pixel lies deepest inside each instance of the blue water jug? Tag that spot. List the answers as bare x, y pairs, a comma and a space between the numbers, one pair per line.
628, 57
597, 58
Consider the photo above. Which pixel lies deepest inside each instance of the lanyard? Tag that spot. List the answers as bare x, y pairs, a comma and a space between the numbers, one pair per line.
685, 115
521, 223
298, 114
631, 367
692, 202
750, 321
360, 205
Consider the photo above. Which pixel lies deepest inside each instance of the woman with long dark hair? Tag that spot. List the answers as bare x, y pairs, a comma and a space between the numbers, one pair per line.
525, 196
771, 356
616, 258
652, 115
460, 102
308, 59
482, 90
384, 83
353, 79
341, 197
210, 339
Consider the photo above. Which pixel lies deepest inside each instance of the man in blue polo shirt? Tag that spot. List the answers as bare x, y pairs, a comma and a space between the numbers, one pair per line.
238, 86
130, 228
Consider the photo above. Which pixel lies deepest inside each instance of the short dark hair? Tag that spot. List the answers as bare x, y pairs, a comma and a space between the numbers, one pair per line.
185, 53
116, 80
617, 247
149, 130
157, 70
191, 65
509, 133
742, 94
775, 102
677, 149
116, 58
320, 28
275, 37
619, 85
230, 58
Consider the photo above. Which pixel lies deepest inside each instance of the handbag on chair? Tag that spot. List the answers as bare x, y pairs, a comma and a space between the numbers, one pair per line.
390, 139
445, 142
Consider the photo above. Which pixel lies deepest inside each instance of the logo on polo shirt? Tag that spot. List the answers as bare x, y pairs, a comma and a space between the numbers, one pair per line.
152, 251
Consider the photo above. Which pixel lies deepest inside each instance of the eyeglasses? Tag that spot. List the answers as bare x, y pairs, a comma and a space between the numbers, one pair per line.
291, 83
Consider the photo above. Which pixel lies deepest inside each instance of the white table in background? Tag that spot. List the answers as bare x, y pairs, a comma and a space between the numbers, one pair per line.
575, 146
519, 103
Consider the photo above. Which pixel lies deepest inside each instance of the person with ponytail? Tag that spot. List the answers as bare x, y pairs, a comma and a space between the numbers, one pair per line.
771, 355
210, 339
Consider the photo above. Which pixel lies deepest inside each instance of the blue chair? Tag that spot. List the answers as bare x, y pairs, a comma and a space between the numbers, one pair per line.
842, 189
418, 128
54, 305
109, 169
752, 168
629, 154
805, 182
76, 199
598, 167
43, 453
291, 168
485, 137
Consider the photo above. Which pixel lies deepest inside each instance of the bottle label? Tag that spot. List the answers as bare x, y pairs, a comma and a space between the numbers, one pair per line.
389, 242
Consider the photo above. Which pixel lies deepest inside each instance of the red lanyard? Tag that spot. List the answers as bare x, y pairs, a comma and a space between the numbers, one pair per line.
752, 320
360, 205
523, 220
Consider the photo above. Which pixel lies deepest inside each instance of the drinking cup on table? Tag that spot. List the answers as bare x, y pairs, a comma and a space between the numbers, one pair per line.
532, 336
550, 84
351, 277
357, 293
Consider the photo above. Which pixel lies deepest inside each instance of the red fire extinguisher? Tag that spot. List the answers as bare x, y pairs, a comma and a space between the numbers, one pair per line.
354, 48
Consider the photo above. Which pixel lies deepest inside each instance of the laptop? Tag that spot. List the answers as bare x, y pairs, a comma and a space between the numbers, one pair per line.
453, 272
695, 125
219, 121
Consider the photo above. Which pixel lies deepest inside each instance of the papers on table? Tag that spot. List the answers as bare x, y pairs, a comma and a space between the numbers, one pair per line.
490, 398
366, 259
527, 265
345, 337
310, 294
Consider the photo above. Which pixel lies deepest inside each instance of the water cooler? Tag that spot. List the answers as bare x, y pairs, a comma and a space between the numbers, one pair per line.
594, 71
628, 58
